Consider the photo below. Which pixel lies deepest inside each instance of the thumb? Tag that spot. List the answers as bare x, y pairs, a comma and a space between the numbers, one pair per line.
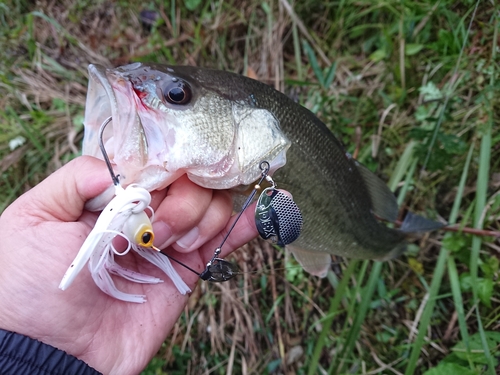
63, 194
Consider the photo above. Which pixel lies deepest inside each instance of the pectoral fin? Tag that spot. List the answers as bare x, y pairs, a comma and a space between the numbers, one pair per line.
315, 263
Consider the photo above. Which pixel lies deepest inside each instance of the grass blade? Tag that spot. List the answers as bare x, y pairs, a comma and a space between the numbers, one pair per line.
452, 268
481, 198
314, 63
332, 312
361, 311
459, 306
450, 90
297, 51
402, 167
427, 314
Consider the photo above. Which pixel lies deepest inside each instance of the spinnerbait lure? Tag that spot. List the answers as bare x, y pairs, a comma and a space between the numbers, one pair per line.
124, 216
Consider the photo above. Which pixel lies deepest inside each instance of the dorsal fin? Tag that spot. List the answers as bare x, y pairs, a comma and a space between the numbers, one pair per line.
384, 203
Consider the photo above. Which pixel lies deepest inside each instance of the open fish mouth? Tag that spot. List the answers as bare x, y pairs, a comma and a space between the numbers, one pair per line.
111, 94
100, 104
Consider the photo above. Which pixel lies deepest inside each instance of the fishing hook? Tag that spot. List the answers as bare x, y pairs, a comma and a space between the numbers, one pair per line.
105, 154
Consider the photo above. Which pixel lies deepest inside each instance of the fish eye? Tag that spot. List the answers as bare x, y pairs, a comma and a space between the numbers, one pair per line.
177, 93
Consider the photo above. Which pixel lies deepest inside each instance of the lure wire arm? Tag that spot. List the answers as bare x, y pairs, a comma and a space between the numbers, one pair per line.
114, 177
179, 262
264, 166
220, 266
217, 269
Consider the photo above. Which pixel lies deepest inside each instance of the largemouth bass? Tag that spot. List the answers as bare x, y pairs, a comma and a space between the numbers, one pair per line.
217, 127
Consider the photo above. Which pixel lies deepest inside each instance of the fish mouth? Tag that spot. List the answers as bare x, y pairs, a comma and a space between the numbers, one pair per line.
111, 94
100, 105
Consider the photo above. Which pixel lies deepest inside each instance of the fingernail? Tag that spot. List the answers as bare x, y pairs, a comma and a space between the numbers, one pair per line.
189, 238
163, 234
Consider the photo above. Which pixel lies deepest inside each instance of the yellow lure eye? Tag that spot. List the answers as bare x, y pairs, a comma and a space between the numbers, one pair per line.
146, 238
139, 230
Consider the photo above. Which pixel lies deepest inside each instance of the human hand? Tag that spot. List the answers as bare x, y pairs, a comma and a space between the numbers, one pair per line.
43, 231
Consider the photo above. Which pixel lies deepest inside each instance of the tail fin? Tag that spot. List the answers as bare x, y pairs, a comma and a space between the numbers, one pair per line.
417, 224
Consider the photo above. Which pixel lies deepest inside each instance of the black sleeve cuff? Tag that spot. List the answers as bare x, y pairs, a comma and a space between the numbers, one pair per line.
20, 354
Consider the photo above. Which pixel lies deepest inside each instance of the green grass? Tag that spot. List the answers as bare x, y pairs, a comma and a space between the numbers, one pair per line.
411, 87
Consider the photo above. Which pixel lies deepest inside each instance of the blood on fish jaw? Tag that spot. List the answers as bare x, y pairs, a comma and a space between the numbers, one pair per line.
140, 94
